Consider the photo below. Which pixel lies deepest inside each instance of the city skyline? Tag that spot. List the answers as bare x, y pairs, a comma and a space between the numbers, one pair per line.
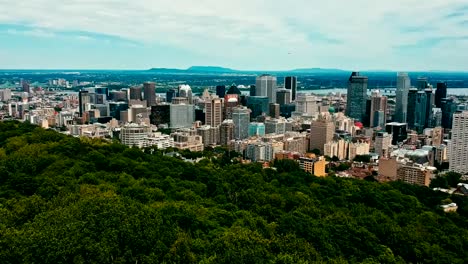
249, 35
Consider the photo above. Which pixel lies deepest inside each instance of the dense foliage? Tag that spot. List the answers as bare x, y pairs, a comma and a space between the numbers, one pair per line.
70, 200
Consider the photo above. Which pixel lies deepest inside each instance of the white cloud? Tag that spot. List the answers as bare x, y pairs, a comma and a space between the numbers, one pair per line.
260, 33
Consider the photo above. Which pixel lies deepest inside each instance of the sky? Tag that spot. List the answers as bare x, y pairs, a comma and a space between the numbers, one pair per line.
406, 35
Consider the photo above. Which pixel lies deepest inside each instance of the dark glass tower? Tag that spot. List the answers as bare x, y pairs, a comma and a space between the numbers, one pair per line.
290, 83
357, 96
440, 94
221, 91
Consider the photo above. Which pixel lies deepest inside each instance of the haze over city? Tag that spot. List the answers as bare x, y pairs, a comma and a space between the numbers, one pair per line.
250, 35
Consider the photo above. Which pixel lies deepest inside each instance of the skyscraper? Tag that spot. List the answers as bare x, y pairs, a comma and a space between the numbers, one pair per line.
221, 91
429, 106
449, 107
241, 119
182, 115
283, 97
266, 86
171, 93
459, 144
135, 93
290, 83
422, 83
403, 86
383, 141
321, 132
185, 91
256, 129
259, 105
417, 110
378, 112
357, 96
274, 110
214, 112
226, 131
440, 94
150, 93
84, 99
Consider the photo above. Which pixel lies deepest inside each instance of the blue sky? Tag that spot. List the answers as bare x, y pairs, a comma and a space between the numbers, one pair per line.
244, 34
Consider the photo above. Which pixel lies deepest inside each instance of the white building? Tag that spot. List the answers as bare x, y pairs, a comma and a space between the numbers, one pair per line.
459, 144
134, 135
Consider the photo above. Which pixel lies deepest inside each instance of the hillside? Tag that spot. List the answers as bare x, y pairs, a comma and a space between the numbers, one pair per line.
66, 200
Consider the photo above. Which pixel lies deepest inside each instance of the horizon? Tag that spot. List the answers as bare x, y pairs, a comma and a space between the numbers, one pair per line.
122, 35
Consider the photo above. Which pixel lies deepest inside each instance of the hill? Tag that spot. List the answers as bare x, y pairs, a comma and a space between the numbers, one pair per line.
71, 200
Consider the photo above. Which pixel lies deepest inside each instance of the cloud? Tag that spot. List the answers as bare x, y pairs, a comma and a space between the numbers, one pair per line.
258, 33
32, 32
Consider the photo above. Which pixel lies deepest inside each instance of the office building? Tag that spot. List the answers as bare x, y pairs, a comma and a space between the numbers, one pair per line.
252, 90
417, 107
214, 112
84, 100
399, 132
430, 101
259, 105
440, 94
256, 129
378, 111
422, 83
118, 96
160, 114
436, 117
357, 96
358, 149
307, 105
290, 83
26, 87
5, 95
449, 107
149, 92
187, 139
182, 115
459, 144
321, 132
274, 110
170, 94
135, 93
259, 151
115, 108
221, 91
241, 119
383, 141
186, 92
226, 131
266, 85
283, 97
401, 108
337, 148
275, 126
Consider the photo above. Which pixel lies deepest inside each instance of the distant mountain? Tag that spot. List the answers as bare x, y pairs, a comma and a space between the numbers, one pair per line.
209, 69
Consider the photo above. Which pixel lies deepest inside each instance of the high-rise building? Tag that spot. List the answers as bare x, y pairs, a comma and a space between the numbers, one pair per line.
256, 129
399, 132
258, 105
307, 105
221, 91
275, 126
403, 86
209, 134
135, 93
414, 174
417, 110
150, 93
422, 83
241, 119
133, 135
186, 92
26, 86
459, 144
321, 132
283, 96
378, 113
429, 106
214, 112
84, 100
5, 95
182, 115
274, 110
118, 96
383, 141
266, 86
357, 96
160, 114
252, 90
290, 83
449, 107
226, 131
440, 94
170, 94
115, 108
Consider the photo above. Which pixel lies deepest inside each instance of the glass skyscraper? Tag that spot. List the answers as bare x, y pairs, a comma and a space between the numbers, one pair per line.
403, 86
357, 96
266, 86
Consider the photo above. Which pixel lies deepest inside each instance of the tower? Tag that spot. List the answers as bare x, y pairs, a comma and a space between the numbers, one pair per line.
357, 96
150, 93
241, 119
290, 83
221, 91
403, 86
214, 112
378, 112
321, 132
265, 85
459, 144
440, 94
226, 131
135, 93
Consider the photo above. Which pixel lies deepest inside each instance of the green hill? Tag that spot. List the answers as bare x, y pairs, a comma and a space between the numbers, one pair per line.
70, 200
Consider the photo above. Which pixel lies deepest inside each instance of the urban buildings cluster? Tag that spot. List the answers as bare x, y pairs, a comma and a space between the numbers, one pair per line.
406, 136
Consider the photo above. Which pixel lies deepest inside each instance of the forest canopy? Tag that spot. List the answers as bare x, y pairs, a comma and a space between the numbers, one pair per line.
70, 200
